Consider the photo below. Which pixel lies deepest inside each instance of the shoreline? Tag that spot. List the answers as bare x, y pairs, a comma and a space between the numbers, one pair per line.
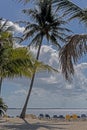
15, 112
54, 108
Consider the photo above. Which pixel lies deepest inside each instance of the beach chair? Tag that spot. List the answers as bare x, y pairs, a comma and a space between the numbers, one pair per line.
47, 116
41, 116
83, 116
74, 117
55, 117
79, 117
61, 117
68, 117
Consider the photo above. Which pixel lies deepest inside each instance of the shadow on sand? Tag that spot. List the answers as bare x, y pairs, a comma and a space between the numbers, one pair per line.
35, 126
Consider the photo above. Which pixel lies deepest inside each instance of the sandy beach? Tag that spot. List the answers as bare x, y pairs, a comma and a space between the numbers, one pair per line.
37, 124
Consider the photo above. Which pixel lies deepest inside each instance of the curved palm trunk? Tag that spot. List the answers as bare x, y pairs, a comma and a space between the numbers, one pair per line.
22, 115
0, 84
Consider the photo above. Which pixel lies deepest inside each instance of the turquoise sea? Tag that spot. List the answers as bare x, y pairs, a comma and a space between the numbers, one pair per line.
51, 111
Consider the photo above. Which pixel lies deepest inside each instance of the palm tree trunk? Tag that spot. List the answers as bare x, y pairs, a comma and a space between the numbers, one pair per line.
0, 84
22, 115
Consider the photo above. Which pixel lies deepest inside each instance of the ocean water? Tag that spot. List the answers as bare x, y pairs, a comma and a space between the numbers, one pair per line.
16, 112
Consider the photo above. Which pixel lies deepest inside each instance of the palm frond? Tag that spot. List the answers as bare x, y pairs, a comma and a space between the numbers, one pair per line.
17, 39
24, 1
54, 41
67, 6
36, 40
81, 15
29, 33
16, 62
40, 66
71, 52
3, 26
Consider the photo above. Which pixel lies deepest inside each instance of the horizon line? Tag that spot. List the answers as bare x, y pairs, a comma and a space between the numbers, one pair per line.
45, 108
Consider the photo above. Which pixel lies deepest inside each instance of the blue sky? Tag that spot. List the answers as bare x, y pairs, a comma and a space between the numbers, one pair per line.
49, 90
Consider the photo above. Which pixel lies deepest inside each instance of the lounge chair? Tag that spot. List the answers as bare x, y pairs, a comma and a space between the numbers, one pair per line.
61, 117
47, 116
41, 116
74, 117
55, 117
83, 116
68, 117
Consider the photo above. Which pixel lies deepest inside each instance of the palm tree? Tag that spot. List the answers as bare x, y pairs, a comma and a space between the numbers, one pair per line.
46, 25
6, 45
76, 44
16, 61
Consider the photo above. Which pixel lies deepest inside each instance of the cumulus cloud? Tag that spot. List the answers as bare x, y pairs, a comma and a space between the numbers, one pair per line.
15, 27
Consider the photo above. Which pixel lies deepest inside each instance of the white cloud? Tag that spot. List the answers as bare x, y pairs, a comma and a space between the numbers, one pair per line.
15, 29
21, 91
48, 55
15, 26
50, 80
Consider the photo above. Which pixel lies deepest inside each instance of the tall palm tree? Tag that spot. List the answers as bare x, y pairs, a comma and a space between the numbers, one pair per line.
45, 25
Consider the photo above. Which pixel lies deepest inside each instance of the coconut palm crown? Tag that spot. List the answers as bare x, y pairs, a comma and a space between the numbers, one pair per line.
45, 24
